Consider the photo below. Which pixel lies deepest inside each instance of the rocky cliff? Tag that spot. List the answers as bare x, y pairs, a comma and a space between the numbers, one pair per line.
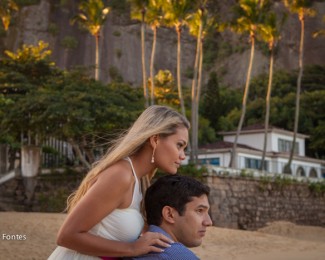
120, 46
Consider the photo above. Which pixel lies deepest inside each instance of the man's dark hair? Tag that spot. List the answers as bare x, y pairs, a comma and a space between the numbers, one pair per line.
174, 191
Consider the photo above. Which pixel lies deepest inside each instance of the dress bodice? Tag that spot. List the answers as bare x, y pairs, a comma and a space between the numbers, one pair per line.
121, 225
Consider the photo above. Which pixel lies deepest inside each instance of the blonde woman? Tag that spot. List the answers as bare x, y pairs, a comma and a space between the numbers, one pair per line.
104, 216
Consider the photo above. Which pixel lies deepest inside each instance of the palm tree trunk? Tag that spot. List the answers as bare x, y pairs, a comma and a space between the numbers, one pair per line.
143, 58
193, 95
267, 113
179, 86
233, 159
301, 57
152, 64
198, 94
97, 57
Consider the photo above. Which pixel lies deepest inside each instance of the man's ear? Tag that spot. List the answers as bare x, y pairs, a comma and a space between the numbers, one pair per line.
154, 140
169, 214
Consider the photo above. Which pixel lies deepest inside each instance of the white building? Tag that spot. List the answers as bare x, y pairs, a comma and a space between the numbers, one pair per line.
250, 147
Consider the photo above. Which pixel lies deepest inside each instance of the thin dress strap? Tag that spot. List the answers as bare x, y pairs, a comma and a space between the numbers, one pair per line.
135, 175
133, 171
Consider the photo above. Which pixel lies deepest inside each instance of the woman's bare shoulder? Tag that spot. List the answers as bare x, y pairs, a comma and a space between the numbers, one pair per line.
119, 173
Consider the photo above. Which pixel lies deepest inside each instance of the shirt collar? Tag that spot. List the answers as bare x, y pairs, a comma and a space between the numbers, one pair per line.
154, 228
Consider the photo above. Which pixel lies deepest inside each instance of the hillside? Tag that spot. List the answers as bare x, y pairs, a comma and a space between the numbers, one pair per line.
120, 43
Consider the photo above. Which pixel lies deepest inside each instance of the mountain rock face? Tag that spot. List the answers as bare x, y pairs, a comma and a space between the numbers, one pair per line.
120, 45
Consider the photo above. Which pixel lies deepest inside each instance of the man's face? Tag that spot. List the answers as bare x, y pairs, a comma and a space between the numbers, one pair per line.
190, 228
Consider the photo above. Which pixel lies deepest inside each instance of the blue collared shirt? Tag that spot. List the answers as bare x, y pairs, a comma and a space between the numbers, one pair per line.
177, 251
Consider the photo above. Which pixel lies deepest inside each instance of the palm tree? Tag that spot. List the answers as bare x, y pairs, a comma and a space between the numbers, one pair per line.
92, 17
139, 11
269, 33
303, 8
195, 25
154, 18
199, 25
176, 13
7, 7
249, 16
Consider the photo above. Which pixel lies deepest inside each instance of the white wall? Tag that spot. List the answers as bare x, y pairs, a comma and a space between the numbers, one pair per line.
30, 160
276, 137
276, 165
256, 140
252, 140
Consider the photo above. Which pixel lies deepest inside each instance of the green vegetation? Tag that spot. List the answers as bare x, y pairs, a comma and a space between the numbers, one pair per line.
31, 72
117, 33
248, 20
317, 188
119, 6
188, 170
39, 100
54, 189
54, 202
244, 173
193, 171
27, 2
281, 182
92, 16
69, 42
218, 101
282, 106
115, 74
53, 29
189, 73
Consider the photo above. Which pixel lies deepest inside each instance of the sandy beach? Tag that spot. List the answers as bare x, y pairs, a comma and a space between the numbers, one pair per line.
31, 236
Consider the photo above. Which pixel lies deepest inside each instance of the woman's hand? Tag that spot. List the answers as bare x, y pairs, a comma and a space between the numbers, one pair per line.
150, 242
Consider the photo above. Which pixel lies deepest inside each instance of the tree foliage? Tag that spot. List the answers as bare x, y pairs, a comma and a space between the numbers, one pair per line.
38, 98
217, 102
7, 8
92, 16
41, 101
283, 105
22, 74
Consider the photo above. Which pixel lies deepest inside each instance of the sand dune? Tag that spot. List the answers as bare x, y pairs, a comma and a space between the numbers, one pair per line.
32, 236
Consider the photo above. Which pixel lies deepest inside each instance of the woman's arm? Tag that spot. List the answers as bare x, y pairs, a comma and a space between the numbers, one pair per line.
106, 194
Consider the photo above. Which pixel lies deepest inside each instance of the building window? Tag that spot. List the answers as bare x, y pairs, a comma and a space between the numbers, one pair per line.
313, 173
210, 161
286, 145
301, 172
255, 164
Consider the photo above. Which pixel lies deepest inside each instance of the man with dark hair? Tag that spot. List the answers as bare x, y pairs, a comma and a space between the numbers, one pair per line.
177, 206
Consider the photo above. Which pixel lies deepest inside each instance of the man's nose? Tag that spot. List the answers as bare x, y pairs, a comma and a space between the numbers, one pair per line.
208, 221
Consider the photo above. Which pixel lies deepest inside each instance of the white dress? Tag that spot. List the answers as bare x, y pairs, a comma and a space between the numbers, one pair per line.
121, 225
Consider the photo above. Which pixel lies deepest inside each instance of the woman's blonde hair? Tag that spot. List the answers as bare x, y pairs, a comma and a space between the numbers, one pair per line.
155, 120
